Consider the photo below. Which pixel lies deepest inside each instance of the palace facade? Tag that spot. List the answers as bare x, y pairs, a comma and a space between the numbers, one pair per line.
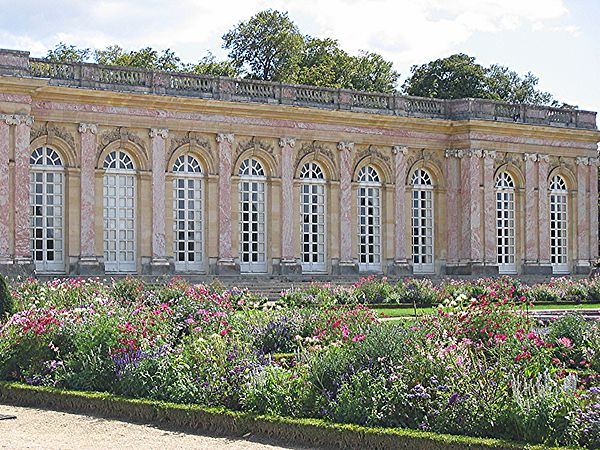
120, 170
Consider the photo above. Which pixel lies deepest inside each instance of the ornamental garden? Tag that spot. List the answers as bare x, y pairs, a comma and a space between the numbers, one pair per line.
475, 363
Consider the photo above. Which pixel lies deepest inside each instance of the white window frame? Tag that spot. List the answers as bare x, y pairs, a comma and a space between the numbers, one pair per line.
559, 204
369, 181
313, 177
506, 255
422, 191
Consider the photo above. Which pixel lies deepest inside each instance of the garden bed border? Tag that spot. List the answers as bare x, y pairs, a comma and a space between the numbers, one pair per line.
220, 421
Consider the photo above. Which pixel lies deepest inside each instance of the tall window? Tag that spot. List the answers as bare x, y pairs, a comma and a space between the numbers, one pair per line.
119, 213
369, 219
558, 225
312, 199
422, 222
505, 224
47, 200
253, 256
187, 214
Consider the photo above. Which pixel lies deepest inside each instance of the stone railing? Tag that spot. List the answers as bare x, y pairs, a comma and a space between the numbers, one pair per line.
95, 76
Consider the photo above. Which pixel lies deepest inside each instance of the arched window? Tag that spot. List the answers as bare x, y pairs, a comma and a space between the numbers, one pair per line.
312, 204
47, 210
188, 226
119, 213
369, 219
558, 225
422, 222
505, 224
252, 220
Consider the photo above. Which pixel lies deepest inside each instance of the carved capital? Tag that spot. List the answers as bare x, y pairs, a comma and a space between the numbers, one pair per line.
88, 128
530, 157
476, 153
159, 132
543, 158
225, 137
582, 161
344, 145
594, 161
489, 154
399, 150
287, 142
17, 119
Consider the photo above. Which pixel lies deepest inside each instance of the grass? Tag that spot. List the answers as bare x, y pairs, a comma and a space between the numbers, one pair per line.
408, 312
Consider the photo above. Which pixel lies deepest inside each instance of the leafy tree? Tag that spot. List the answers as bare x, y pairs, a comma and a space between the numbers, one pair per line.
68, 53
370, 72
209, 65
146, 58
322, 63
267, 46
506, 85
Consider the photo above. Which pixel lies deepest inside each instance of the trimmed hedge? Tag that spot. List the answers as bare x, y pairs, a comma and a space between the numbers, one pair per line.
310, 432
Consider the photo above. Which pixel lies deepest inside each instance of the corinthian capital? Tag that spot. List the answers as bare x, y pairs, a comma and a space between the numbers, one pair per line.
530, 157
225, 137
17, 119
543, 158
582, 161
399, 150
344, 145
159, 132
88, 128
287, 142
491, 154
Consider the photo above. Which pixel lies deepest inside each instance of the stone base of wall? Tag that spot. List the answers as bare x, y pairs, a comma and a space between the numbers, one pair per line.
89, 266
227, 267
399, 269
158, 267
345, 268
17, 267
582, 268
536, 269
291, 267
477, 269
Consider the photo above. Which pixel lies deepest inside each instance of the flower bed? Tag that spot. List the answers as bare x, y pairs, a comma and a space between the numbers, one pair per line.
478, 366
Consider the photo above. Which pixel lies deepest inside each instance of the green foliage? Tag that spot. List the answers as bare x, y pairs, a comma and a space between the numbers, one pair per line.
146, 58
68, 53
267, 46
7, 304
208, 65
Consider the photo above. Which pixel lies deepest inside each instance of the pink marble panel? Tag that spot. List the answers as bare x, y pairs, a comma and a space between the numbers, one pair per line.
475, 207
225, 142
88, 186
21, 203
583, 242
345, 201
158, 146
531, 215
593, 199
452, 206
287, 200
399, 206
544, 213
489, 210
4, 205
465, 197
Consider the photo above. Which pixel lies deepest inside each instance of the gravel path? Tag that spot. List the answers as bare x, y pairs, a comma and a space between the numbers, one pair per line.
52, 430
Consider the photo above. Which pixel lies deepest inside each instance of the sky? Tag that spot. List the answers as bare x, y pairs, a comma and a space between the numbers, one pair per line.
557, 40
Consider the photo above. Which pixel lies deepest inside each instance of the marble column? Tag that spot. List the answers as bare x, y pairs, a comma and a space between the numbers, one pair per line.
489, 211
88, 262
583, 242
21, 199
288, 262
225, 263
531, 215
346, 263
159, 264
4, 191
400, 210
543, 214
593, 201
470, 184
452, 206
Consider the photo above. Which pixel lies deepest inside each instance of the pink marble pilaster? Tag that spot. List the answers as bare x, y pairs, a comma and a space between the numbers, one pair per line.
543, 211
225, 143
593, 199
583, 241
21, 203
465, 197
87, 235
4, 204
475, 206
452, 206
489, 211
287, 198
158, 138
345, 149
531, 215
399, 153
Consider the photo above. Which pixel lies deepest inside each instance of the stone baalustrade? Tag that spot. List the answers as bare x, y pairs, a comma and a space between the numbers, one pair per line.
121, 170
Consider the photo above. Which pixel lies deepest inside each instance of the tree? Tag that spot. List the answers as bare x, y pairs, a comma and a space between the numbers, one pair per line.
146, 58
209, 65
370, 72
506, 85
68, 53
322, 63
267, 46
457, 76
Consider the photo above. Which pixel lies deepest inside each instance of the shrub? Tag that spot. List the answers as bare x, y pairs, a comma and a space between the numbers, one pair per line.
7, 304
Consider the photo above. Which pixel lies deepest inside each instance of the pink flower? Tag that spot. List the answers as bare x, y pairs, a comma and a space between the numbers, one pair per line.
358, 337
565, 342
499, 338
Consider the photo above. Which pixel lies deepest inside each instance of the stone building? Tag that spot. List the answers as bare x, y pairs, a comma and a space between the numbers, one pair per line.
120, 170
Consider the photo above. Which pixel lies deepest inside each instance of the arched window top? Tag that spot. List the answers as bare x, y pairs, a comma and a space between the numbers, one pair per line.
557, 183
118, 160
251, 168
368, 174
504, 181
45, 156
421, 178
312, 171
187, 164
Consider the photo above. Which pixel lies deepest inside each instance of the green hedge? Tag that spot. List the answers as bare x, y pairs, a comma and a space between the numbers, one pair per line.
310, 432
